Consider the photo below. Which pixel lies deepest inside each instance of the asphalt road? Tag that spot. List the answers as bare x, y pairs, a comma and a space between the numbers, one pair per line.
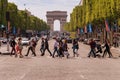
47, 68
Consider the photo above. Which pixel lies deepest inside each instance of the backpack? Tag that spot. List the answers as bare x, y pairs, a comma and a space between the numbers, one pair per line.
34, 44
11, 44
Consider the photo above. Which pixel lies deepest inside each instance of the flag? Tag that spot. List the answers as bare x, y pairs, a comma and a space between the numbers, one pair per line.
107, 26
14, 30
115, 27
90, 28
81, 30
85, 29
81, 3
78, 31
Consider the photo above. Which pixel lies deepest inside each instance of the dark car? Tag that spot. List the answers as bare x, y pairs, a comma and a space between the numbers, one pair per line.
69, 40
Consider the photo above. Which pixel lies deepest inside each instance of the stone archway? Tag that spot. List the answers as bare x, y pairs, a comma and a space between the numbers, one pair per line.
56, 15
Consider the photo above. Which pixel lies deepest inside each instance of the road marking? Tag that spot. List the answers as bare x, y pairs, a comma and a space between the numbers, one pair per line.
22, 76
83, 77
49, 57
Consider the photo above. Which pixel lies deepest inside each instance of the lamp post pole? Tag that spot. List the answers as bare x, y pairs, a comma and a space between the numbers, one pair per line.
25, 17
8, 28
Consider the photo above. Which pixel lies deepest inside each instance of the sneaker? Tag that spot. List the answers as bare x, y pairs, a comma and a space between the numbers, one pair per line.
53, 57
68, 56
16, 55
26, 55
21, 56
42, 54
77, 55
50, 54
34, 55
88, 56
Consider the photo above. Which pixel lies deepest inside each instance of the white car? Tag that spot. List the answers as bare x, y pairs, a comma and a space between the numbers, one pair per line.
3, 40
25, 41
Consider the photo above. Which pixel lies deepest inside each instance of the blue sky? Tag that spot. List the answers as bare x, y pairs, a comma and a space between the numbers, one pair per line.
39, 7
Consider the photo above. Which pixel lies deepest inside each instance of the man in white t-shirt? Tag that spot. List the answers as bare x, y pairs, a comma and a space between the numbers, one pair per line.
31, 47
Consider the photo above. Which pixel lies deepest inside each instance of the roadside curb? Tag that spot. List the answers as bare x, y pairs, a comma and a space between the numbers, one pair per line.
4, 53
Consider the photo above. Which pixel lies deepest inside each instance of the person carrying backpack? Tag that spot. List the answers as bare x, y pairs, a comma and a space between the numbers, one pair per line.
75, 48
107, 49
42, 45
12, 44
92, 51
31, 47
46, 47
65, 48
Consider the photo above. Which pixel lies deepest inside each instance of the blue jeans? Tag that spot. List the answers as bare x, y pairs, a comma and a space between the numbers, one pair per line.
55, 50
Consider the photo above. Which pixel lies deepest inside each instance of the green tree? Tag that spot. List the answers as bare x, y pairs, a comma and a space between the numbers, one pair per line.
95, 12
3, 9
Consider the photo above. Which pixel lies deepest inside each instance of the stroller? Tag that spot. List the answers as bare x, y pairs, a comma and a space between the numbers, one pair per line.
99, 50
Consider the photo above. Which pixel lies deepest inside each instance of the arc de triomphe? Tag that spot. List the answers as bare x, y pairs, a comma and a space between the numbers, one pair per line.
56, 15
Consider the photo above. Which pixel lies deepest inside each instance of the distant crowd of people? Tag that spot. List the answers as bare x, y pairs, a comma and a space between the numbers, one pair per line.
60, 48
17, 47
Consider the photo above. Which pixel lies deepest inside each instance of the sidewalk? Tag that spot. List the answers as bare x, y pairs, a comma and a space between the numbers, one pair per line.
117, 49
4, 50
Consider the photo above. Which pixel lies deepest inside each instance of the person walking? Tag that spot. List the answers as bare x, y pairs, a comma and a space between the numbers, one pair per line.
60, 49
107, 49
34, 47
92, 47
19, 48
12, 44
46, 47
56, 44
31, 47
75, 48
42, 45
65, 48
99, 48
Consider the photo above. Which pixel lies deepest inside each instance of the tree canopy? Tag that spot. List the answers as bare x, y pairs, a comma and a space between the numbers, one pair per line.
22, 19
94, 12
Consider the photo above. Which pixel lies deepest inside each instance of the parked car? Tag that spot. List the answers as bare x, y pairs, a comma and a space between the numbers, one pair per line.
86, 41
69, 40
97, 40
25, 41
3, 40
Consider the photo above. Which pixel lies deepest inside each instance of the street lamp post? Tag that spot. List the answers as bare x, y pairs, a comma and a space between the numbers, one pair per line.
8, 28
26, 15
